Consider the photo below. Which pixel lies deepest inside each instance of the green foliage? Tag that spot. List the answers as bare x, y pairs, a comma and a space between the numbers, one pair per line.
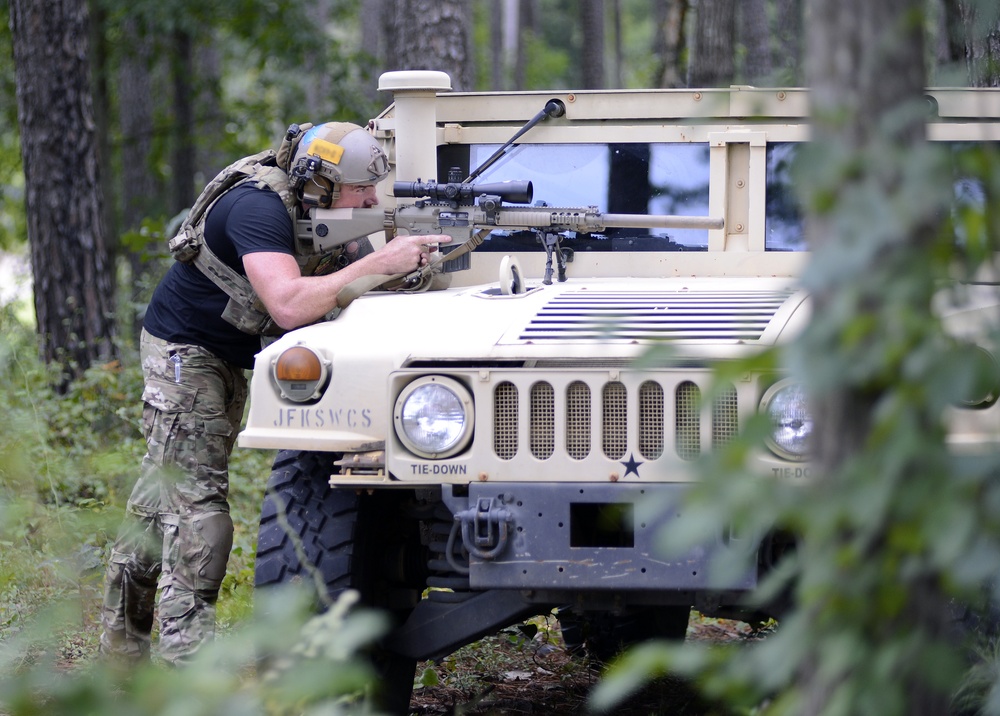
311, 668
13, 222
902, 532
67, 464
292, 69
639, 65
79, 446
552, 51
547, 65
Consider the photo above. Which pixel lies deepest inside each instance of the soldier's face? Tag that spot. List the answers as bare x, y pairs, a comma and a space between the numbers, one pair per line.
356, 196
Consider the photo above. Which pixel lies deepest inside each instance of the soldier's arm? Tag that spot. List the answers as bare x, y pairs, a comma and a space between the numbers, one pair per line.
294, 300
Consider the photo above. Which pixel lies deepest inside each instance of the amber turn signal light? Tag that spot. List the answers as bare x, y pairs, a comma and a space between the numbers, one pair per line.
298, 363
300, 373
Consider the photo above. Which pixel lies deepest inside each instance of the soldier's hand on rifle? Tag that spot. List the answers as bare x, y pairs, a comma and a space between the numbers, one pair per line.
408, 253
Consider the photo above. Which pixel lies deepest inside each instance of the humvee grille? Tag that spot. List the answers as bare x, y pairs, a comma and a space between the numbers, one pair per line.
645, 315
612, 426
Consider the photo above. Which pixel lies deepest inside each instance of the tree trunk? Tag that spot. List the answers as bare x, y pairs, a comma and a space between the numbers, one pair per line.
670, 42
712, 51
498, 47
866, 73
73, 274
754, 35
135, 117
982, 42
183, 146
435, 35
140, 190
373, 43
787, 45
316, 101
592, 51
209, 121
618, 76
101, 98
527, 23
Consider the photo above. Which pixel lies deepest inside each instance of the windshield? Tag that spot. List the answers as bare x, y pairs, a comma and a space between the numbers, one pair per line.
784, 221
783, 229
633, 178
651, 178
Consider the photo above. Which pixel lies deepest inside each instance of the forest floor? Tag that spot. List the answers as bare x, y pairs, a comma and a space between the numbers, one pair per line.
506, 676
513, 674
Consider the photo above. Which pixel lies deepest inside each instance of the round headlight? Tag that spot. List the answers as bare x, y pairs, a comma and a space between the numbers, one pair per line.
434, 417
980, 380
791, 422
300, 373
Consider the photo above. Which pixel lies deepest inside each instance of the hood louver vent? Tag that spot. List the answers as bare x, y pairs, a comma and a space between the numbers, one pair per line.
655, 315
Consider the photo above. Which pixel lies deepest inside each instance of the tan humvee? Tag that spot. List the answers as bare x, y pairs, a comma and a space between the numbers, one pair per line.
493, 438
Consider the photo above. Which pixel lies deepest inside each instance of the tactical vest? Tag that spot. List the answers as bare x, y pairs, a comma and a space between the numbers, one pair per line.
245, 310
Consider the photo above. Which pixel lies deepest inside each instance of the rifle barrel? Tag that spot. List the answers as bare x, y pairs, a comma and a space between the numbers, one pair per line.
662, 221
585, 220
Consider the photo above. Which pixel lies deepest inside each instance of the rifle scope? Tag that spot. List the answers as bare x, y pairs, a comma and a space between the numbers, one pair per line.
515, 191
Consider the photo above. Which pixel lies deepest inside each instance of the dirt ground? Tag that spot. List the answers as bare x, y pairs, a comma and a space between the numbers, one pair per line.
505, 675
513, 673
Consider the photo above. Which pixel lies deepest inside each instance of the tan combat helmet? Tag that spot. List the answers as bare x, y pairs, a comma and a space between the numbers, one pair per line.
331, 154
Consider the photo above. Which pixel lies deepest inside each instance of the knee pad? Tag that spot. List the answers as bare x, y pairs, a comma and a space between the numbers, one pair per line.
216, 532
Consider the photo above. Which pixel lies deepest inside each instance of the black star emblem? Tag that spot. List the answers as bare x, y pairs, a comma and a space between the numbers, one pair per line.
632, 465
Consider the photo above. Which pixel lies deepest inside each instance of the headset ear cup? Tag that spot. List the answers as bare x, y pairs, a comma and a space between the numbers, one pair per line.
317, 192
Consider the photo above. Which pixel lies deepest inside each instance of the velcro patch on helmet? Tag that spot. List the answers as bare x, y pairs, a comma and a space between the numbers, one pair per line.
327, 151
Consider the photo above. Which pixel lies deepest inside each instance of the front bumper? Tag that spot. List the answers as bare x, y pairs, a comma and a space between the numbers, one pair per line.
591, 537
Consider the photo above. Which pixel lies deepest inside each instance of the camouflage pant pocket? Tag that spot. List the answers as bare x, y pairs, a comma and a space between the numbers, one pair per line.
171, 547
169, 397
182, 625
166, 409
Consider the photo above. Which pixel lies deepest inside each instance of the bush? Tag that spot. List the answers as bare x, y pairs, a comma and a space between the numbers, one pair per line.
67, 466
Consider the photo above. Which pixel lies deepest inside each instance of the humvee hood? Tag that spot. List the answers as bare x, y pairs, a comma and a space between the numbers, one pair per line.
603, 317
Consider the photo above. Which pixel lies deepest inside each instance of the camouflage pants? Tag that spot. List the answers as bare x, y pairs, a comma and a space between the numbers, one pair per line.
177, 532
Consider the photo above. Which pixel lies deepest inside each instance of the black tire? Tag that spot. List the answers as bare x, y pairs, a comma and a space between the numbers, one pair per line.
356, 541
602, 636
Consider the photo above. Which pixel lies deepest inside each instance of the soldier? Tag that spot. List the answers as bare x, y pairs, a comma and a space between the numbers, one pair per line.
240, 274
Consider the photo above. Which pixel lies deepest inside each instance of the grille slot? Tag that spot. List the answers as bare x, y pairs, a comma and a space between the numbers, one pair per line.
687, 411
505, 420
725, 417
578, 420
629, 418
651, 419
614, 420
543, 423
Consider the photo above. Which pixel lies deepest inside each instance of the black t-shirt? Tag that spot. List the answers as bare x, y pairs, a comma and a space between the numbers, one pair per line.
187, 307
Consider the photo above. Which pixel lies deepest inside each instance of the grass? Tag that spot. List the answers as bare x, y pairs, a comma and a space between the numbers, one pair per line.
67, 466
